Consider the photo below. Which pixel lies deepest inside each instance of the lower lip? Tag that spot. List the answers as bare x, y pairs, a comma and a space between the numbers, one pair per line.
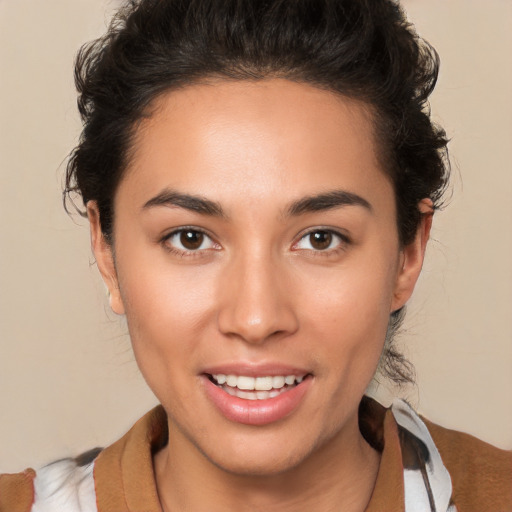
256, 412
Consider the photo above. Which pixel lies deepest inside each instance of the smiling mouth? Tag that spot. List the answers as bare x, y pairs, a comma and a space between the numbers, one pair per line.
256, 388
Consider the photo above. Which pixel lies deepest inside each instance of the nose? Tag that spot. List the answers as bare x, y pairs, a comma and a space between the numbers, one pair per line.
256, 302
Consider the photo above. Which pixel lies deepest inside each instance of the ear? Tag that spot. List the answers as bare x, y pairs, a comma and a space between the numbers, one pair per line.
104, 258
411, 257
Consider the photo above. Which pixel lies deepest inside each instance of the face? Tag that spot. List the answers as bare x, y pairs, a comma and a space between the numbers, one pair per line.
257, 262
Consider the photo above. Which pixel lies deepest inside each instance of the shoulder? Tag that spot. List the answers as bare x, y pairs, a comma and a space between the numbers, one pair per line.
457, 471
67, 484
481, 473
17, 491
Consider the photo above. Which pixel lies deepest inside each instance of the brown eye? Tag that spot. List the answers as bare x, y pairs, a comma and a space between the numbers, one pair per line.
191, 240
320, 240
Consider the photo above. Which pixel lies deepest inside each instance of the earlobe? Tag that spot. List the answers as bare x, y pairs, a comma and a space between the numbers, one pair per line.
104, 258
412, 256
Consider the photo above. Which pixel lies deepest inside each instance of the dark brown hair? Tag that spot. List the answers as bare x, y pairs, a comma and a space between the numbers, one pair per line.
362, 49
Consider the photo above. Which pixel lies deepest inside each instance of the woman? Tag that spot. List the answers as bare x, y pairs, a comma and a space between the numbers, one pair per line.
260, 180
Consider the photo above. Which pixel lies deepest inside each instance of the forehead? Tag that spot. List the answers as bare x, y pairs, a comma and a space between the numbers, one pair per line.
257, 140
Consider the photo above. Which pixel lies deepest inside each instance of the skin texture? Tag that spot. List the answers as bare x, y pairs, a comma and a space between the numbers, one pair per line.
258, 291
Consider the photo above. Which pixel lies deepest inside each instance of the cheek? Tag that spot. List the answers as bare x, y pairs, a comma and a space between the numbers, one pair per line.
349, 313
167, 310
155, 292
348, 298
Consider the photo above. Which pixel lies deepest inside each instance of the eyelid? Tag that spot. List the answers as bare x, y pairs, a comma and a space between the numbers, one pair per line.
344, 239
187, 252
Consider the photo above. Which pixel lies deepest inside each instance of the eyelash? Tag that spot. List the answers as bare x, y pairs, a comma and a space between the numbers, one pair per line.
344, 241
184, 253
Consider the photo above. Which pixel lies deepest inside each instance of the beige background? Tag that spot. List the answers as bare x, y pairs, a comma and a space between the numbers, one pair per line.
68, 380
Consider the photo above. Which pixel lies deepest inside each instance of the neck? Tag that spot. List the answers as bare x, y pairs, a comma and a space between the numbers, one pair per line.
340, 475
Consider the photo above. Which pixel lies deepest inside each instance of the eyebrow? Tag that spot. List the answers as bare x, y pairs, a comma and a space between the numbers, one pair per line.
320, 202
190, 202
326, 201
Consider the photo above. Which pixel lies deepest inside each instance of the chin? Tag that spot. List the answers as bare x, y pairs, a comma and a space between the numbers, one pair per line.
261, 465
265, 455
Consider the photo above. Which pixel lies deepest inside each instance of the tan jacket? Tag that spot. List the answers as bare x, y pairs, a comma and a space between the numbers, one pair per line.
423, 468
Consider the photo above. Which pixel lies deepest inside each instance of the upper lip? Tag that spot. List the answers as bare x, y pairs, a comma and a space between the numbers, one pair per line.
255, 369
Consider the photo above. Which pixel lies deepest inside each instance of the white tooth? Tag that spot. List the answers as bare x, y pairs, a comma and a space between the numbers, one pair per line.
220, 378
246, 395
299, 379
229, 391
274, 393
262, 395
278, 382
263, 383
245, 382
289, 379
232, 380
